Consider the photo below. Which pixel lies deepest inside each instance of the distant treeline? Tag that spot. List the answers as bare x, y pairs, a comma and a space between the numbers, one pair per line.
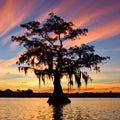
30, 93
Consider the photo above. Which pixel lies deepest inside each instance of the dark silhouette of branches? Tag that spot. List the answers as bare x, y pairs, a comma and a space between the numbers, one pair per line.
46, 55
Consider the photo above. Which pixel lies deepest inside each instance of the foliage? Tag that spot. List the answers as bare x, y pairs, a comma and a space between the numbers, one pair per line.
46, 54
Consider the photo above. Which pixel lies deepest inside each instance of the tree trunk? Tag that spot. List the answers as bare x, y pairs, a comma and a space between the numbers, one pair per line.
58, 97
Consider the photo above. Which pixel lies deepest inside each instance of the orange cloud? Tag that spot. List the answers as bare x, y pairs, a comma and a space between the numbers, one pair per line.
106, 87
81, 19
101, 32
13, 13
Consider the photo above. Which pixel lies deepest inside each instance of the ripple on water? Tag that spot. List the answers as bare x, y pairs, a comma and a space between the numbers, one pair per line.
79, 109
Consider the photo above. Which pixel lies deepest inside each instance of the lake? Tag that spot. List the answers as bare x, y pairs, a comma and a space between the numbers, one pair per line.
79, 109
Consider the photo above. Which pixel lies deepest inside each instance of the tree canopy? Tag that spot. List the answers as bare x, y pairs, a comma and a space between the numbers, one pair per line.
46, 54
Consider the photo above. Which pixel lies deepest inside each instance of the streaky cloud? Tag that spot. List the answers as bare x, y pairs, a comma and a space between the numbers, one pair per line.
13, 13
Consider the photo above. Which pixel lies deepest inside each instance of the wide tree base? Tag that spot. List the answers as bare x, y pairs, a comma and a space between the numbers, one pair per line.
58, 99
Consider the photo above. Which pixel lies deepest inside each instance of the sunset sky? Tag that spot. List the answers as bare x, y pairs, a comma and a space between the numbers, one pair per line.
101, 17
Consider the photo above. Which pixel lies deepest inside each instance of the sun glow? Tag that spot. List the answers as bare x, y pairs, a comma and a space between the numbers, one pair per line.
101, 18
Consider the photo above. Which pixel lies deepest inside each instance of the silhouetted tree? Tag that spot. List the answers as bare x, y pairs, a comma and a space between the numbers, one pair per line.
47, 56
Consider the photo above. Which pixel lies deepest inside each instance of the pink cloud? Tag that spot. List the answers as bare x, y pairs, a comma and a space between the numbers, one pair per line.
7, 63
106, 30
14, 45
13, 13
91, 15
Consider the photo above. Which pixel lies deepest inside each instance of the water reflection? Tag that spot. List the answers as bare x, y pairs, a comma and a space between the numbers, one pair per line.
79, 109
57, 112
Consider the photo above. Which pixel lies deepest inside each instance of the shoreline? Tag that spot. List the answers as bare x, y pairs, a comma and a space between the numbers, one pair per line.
31, 94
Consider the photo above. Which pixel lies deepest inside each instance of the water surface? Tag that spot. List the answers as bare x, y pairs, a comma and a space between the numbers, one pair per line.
79, 109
